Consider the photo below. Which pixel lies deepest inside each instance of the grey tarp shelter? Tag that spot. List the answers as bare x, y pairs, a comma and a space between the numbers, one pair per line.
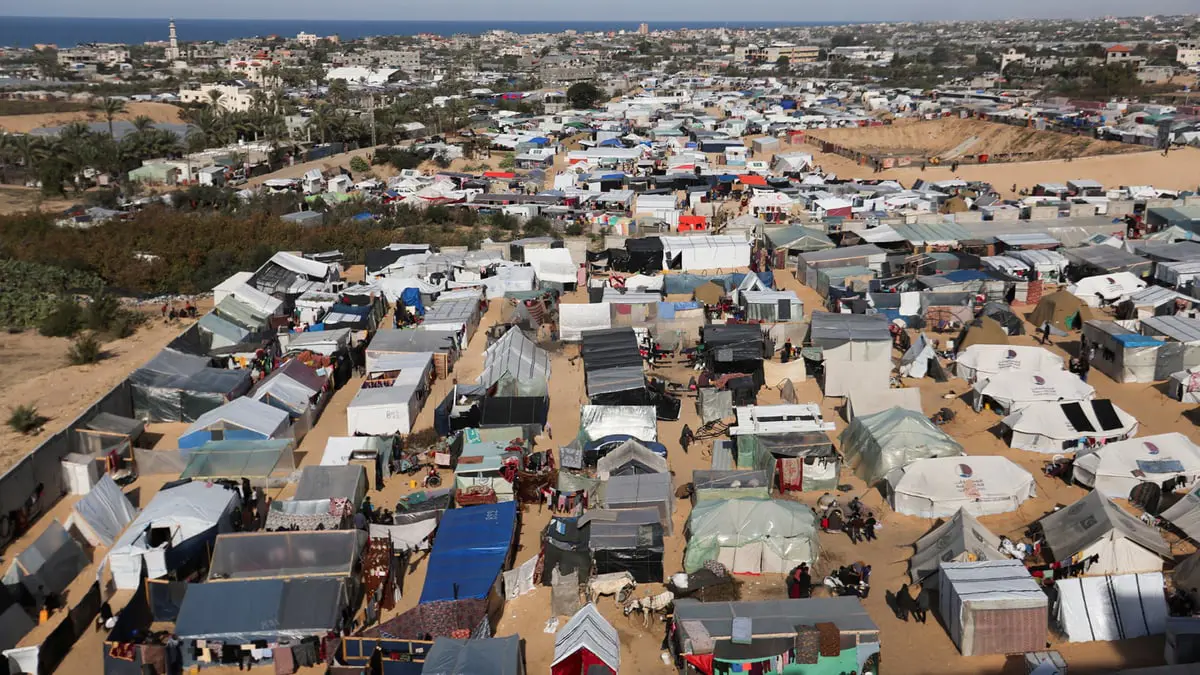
103, 513
626, 540
642, 490
631, 457
1095, 525
178, 387
612, 361
586, 632
489, 656
960, 539
1185, 514
875, 444
278, 555
517, 364
992, 607
330, 482
1107, 259
107, 432
240, 612
851, 337
51, 562
15, 622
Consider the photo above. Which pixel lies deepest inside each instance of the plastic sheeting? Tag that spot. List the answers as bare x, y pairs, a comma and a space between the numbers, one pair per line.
240, 419
874, 445
469, 552
751, 536
642, 491
630, 454
332, 482
598, 421
492, 656
516, 357
552, 264
586, 630
1120, 607
980, 485
50, 563
104, 512
866, 400
258, 461
712, 405
273, 555
240, 612
576, 318
851, 337
960, 539
1095, 525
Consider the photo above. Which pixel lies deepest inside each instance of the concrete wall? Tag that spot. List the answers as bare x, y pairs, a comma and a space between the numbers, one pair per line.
1082, 210
1193, 200
1159, 203
1006, 215
1120, 207
1043, 212
968, 217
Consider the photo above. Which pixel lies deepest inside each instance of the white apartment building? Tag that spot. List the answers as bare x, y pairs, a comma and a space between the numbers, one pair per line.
1188, 54
777, 50
233, 98
101, 54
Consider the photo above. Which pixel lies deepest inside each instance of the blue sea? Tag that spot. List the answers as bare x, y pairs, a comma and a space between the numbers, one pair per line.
67, 32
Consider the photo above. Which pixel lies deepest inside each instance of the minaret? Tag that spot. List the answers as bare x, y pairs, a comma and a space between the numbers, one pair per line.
173, 51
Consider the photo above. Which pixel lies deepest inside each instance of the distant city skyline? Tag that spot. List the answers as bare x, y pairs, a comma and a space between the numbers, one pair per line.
675, 11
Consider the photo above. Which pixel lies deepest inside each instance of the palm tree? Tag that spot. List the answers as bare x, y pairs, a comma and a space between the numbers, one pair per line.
28, 149
142, 124
111, 107
214, 97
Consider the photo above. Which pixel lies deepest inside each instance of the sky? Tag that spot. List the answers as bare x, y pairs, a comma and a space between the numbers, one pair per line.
606, 10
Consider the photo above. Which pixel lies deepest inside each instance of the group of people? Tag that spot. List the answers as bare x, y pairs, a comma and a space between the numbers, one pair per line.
169, 313
905, 604
860, 526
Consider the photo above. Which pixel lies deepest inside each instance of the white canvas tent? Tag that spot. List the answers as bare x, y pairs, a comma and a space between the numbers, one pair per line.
575, 318
1112, 288
1053, 427
1106, 608
706, 252
1014, 391
1185, 513
1117, 468
1184, 385
1095, 526
959, 539
992, 607
867, 400
983, 360
979, 484
392, 409
552, 265
102, 514
182, 512
619, 460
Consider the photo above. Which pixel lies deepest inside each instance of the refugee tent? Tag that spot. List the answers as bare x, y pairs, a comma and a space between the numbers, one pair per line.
749, 283
553, 266
587, 645
1062, 310
575, 319
735, 348
1122, 354
1106, 289
478, 656
643, 255
390, 400
243, 556
413, 340
472, 547
15, 623
1106, 608
705, 252
48, 565
176, 526
630, 458
1054, 426
626, 540
992, 607
1117, 468
979, 485
1095, 526
634, 491
222, 333
751, 536
268, 610
771, 306
709, 293
332, 482
800, 460
1185, 513
710, 484
102, 514
858, 338
960, 539
365, 451
242, 419
982, 331
1013, 391
866, 400
517, 365
564, 548
178, 387
1003, 314
919, 359
482, 464
713, 404
296, 389
459, 316
106, 432
981, 361
323, 342
600, 421
874, 445
612, 364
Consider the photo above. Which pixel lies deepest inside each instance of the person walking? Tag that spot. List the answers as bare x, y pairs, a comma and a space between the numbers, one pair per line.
1084, 367
903, 601
922, 605
1045, 332
869, 527
686, 437
854, 528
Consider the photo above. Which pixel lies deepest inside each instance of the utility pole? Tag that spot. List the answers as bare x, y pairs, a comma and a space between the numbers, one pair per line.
371, 117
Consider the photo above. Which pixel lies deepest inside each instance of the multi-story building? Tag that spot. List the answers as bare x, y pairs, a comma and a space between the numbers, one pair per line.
1187, 54
234, 97
1121, 55
308, 39
776, 51
97, 54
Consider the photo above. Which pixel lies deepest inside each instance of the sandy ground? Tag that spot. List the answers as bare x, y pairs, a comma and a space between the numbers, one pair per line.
38, 375
161, 113
938, 138
14, 199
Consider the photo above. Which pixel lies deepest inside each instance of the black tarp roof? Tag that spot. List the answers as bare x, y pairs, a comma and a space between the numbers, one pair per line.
610, 348
735, 342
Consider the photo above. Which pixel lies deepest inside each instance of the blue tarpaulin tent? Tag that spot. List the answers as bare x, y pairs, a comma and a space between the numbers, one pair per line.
411, 297
469, 552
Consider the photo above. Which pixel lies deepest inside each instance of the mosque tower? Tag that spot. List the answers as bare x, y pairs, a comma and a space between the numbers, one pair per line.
173, 50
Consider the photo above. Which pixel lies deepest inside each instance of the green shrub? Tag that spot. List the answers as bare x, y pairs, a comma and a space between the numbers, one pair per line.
125, 324
101, 311
24, 419
359, 165
64, 320
87, 348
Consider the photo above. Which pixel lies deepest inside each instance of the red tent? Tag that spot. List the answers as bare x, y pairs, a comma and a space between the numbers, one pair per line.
752, 179
587, 640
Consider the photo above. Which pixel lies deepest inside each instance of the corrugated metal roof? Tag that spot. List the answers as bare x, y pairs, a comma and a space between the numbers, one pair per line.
1178, 328
932, 233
